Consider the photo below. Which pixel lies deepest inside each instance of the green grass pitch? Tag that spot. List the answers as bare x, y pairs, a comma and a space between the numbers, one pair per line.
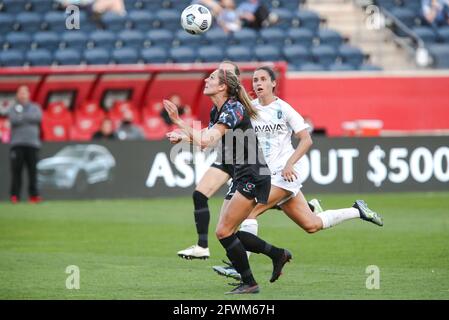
126, 249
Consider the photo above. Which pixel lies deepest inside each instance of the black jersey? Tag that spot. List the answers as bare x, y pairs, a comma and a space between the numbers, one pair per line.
239, 145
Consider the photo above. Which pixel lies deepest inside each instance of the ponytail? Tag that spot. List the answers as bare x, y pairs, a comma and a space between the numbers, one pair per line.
237, 91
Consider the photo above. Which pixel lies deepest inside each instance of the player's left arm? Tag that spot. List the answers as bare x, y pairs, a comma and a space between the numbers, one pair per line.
296, 122
202, 138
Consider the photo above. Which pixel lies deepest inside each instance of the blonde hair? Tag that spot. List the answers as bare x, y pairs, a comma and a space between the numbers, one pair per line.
236, 90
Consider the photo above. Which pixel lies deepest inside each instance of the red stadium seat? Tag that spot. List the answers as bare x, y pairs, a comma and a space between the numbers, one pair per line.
56, 129
118, 110
88, 118
56, 122
155, 128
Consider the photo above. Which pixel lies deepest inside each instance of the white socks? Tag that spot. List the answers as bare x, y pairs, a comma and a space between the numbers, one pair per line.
251, 226
331, 218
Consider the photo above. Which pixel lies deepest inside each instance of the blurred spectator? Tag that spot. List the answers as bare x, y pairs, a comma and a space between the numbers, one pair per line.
228, 19
176, 99
25, 118
436, 12
212, 5
128, 130
254, 14
106, 131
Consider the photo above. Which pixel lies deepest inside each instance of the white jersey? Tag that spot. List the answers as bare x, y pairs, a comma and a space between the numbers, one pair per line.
273, 127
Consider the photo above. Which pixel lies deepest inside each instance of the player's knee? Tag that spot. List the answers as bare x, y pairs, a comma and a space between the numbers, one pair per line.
222, 232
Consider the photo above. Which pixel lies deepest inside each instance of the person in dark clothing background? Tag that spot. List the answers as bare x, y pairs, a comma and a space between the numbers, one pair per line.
25, 118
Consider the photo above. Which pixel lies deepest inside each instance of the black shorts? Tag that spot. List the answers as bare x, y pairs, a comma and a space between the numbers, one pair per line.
251, 189
228, 168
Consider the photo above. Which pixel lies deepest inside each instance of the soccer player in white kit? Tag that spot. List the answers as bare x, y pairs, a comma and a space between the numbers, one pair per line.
276, 122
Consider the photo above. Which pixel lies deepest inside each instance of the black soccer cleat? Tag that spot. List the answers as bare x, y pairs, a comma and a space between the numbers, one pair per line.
243, 288
279, 263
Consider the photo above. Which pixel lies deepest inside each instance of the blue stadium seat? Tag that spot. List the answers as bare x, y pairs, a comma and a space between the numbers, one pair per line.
307, 19
18, 40
292, 5
284, 17
178, 4
351, 55
125, 56
131, 38
113, 21
273, 36
267, 52
67, 57
46, 40
387, 4
182, 54
324, 55
154, 55
427, 34
297, 55
330, 37
55, 21
312, 67
39, 57
183, 38
245, 36
341, 67
217, 37
29, 21
369, 67
239, 53
301, 36
103, 39
443, 34
211, 54
97, 56
42, 6
75, 40
13, 6
406, 15
168, 19
133, 5
160, 37
152, 5
6, 23
141, 20
414, 5
440, 54
12, 58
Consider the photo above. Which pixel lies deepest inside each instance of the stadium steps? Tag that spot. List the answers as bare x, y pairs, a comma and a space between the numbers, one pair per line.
350, 20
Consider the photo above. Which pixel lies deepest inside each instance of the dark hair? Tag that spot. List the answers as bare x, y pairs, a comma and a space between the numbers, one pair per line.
236, 67
270, 73
236, 90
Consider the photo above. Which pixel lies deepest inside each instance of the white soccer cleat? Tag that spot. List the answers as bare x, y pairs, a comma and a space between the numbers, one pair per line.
194, 252
316, 206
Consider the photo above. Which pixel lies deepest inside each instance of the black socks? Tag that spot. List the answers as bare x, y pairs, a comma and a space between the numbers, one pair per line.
237, 255
202, 217
255, 244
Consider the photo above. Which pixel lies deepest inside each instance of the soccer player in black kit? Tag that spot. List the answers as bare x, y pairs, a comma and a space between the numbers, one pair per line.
251, 174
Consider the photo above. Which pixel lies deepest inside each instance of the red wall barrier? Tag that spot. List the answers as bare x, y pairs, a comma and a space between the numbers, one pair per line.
401, 102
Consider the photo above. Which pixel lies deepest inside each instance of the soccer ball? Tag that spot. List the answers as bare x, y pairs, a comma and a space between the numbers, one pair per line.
196, 19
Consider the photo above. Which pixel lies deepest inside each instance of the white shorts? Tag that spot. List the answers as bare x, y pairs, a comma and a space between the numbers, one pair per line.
294, 187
